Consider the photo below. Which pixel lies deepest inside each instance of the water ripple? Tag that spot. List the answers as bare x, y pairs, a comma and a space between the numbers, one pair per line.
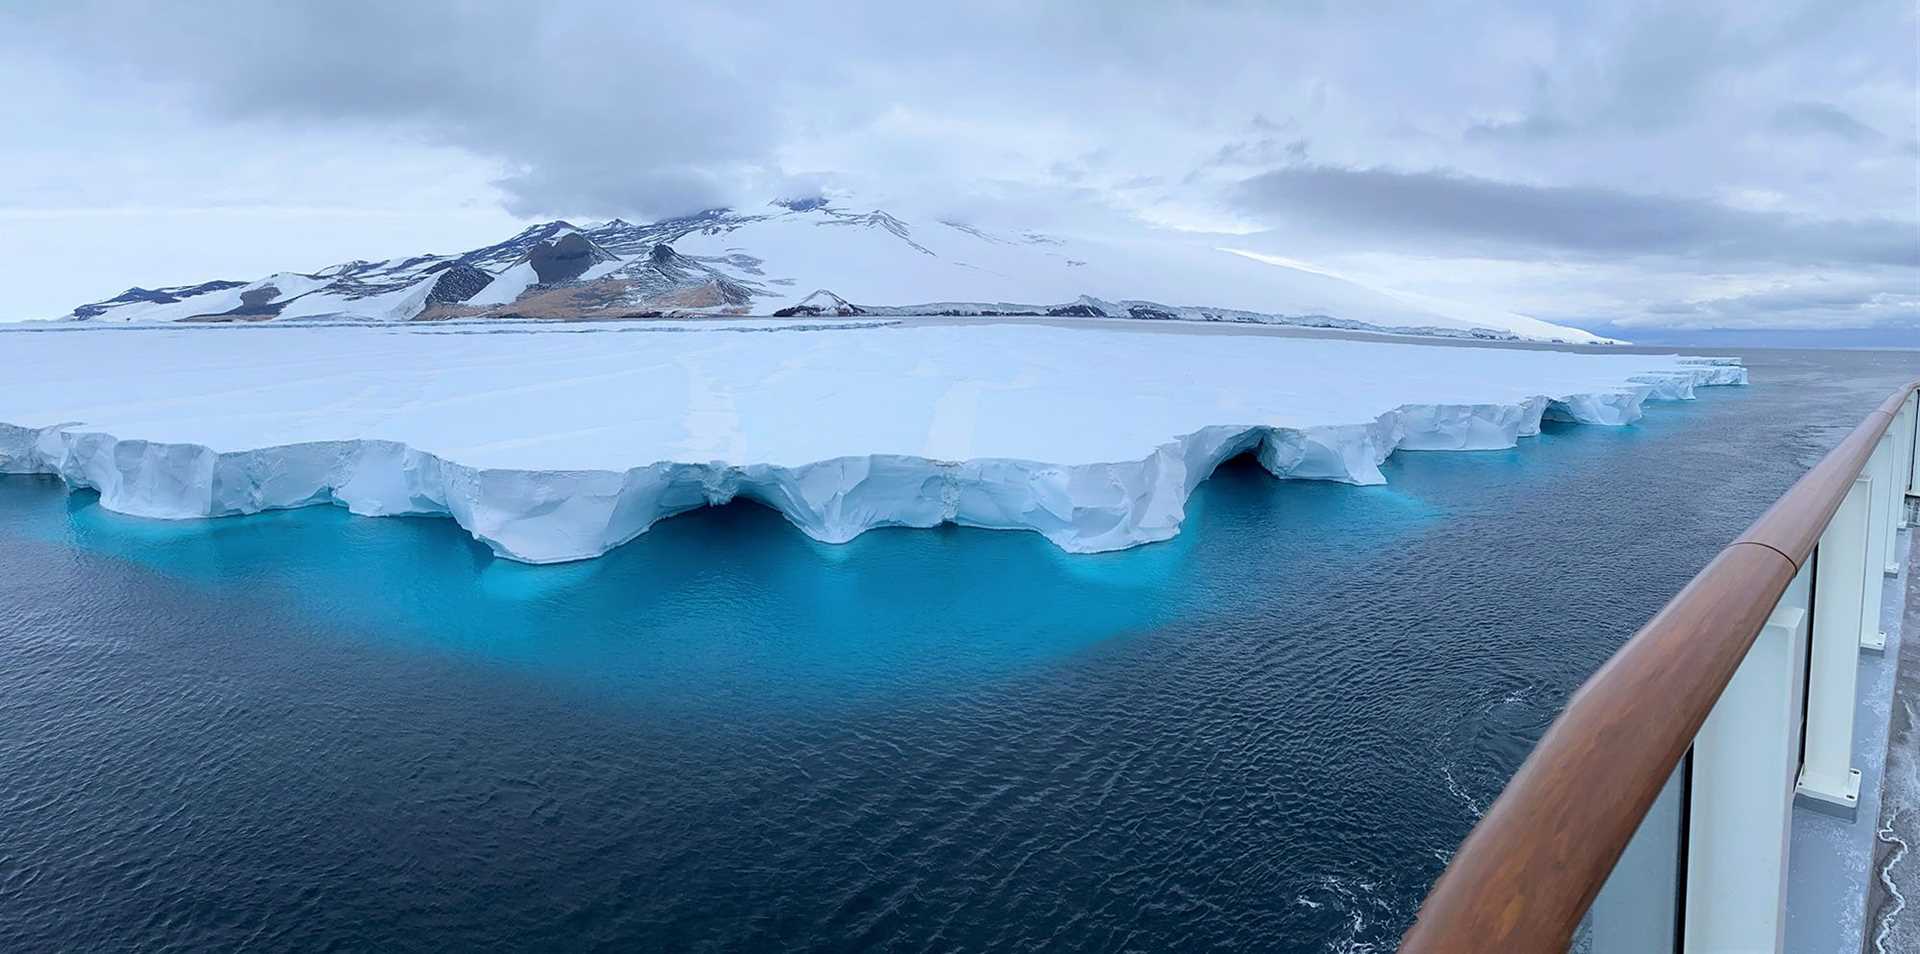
306, 730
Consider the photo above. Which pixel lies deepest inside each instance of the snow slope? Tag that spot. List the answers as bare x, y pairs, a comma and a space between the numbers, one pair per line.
506, 286
552, 445
768, 261
892, 264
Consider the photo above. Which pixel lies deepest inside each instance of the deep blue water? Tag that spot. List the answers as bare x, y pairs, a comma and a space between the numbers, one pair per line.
316, 730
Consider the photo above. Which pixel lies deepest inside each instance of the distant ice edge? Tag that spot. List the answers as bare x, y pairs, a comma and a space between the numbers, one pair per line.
560, 516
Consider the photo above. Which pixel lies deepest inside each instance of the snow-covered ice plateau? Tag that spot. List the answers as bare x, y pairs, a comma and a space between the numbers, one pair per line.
554, 443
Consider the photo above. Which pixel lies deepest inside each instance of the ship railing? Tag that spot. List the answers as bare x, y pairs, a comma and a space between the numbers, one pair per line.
1654, 814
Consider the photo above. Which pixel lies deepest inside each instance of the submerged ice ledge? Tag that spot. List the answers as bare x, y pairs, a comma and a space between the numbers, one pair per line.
551, 516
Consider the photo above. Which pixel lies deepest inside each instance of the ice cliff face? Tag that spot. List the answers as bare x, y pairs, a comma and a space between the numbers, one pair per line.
559, 445
766, 261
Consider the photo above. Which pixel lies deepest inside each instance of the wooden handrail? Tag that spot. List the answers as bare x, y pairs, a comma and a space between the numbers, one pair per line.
1529, 870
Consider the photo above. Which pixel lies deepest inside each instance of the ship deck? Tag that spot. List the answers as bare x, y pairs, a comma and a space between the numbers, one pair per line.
1849, 881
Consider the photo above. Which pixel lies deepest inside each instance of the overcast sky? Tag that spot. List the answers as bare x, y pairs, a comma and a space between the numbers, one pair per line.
1656, 166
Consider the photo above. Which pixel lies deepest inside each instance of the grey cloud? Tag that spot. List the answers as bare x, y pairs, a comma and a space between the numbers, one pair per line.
1662, 62
1085, 114
1824, 119
1067, 172
1858, 303
1260, 152
1668, 58
1262, 124
1661, 66
551, 188
1793, 300
585, 109
1432, 208
1531, 128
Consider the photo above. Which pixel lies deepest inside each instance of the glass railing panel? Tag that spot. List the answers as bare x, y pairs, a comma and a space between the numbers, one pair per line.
1638, 909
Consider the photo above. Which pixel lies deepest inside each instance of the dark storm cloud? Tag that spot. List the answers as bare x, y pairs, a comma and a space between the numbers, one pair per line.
1438, 207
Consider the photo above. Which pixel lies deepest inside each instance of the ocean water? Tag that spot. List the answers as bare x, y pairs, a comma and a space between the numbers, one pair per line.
308, 729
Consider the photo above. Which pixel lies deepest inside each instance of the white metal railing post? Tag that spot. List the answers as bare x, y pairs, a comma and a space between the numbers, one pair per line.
1900, 469
1740, 807
1879, 547
1912, 430
1913, 443
1828, 780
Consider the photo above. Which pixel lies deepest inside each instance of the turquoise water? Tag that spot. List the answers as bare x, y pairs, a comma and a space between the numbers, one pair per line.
730, 606
307, 728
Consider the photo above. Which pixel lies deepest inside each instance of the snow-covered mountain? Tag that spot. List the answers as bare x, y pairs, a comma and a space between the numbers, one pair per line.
810, 257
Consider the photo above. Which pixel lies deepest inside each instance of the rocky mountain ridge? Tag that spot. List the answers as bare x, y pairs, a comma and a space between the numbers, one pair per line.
807, 257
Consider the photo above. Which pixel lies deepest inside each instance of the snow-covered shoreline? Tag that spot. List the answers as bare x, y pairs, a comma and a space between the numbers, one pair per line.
559, 447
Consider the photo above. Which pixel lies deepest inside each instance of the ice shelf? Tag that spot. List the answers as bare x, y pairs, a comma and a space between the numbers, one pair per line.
555, 443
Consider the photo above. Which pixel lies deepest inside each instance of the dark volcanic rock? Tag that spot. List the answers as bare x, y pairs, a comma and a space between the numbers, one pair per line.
257, 303
502, 254
819, 303
457, 283
203, 288
563, 260
143, 294
1075, 311
161, 296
